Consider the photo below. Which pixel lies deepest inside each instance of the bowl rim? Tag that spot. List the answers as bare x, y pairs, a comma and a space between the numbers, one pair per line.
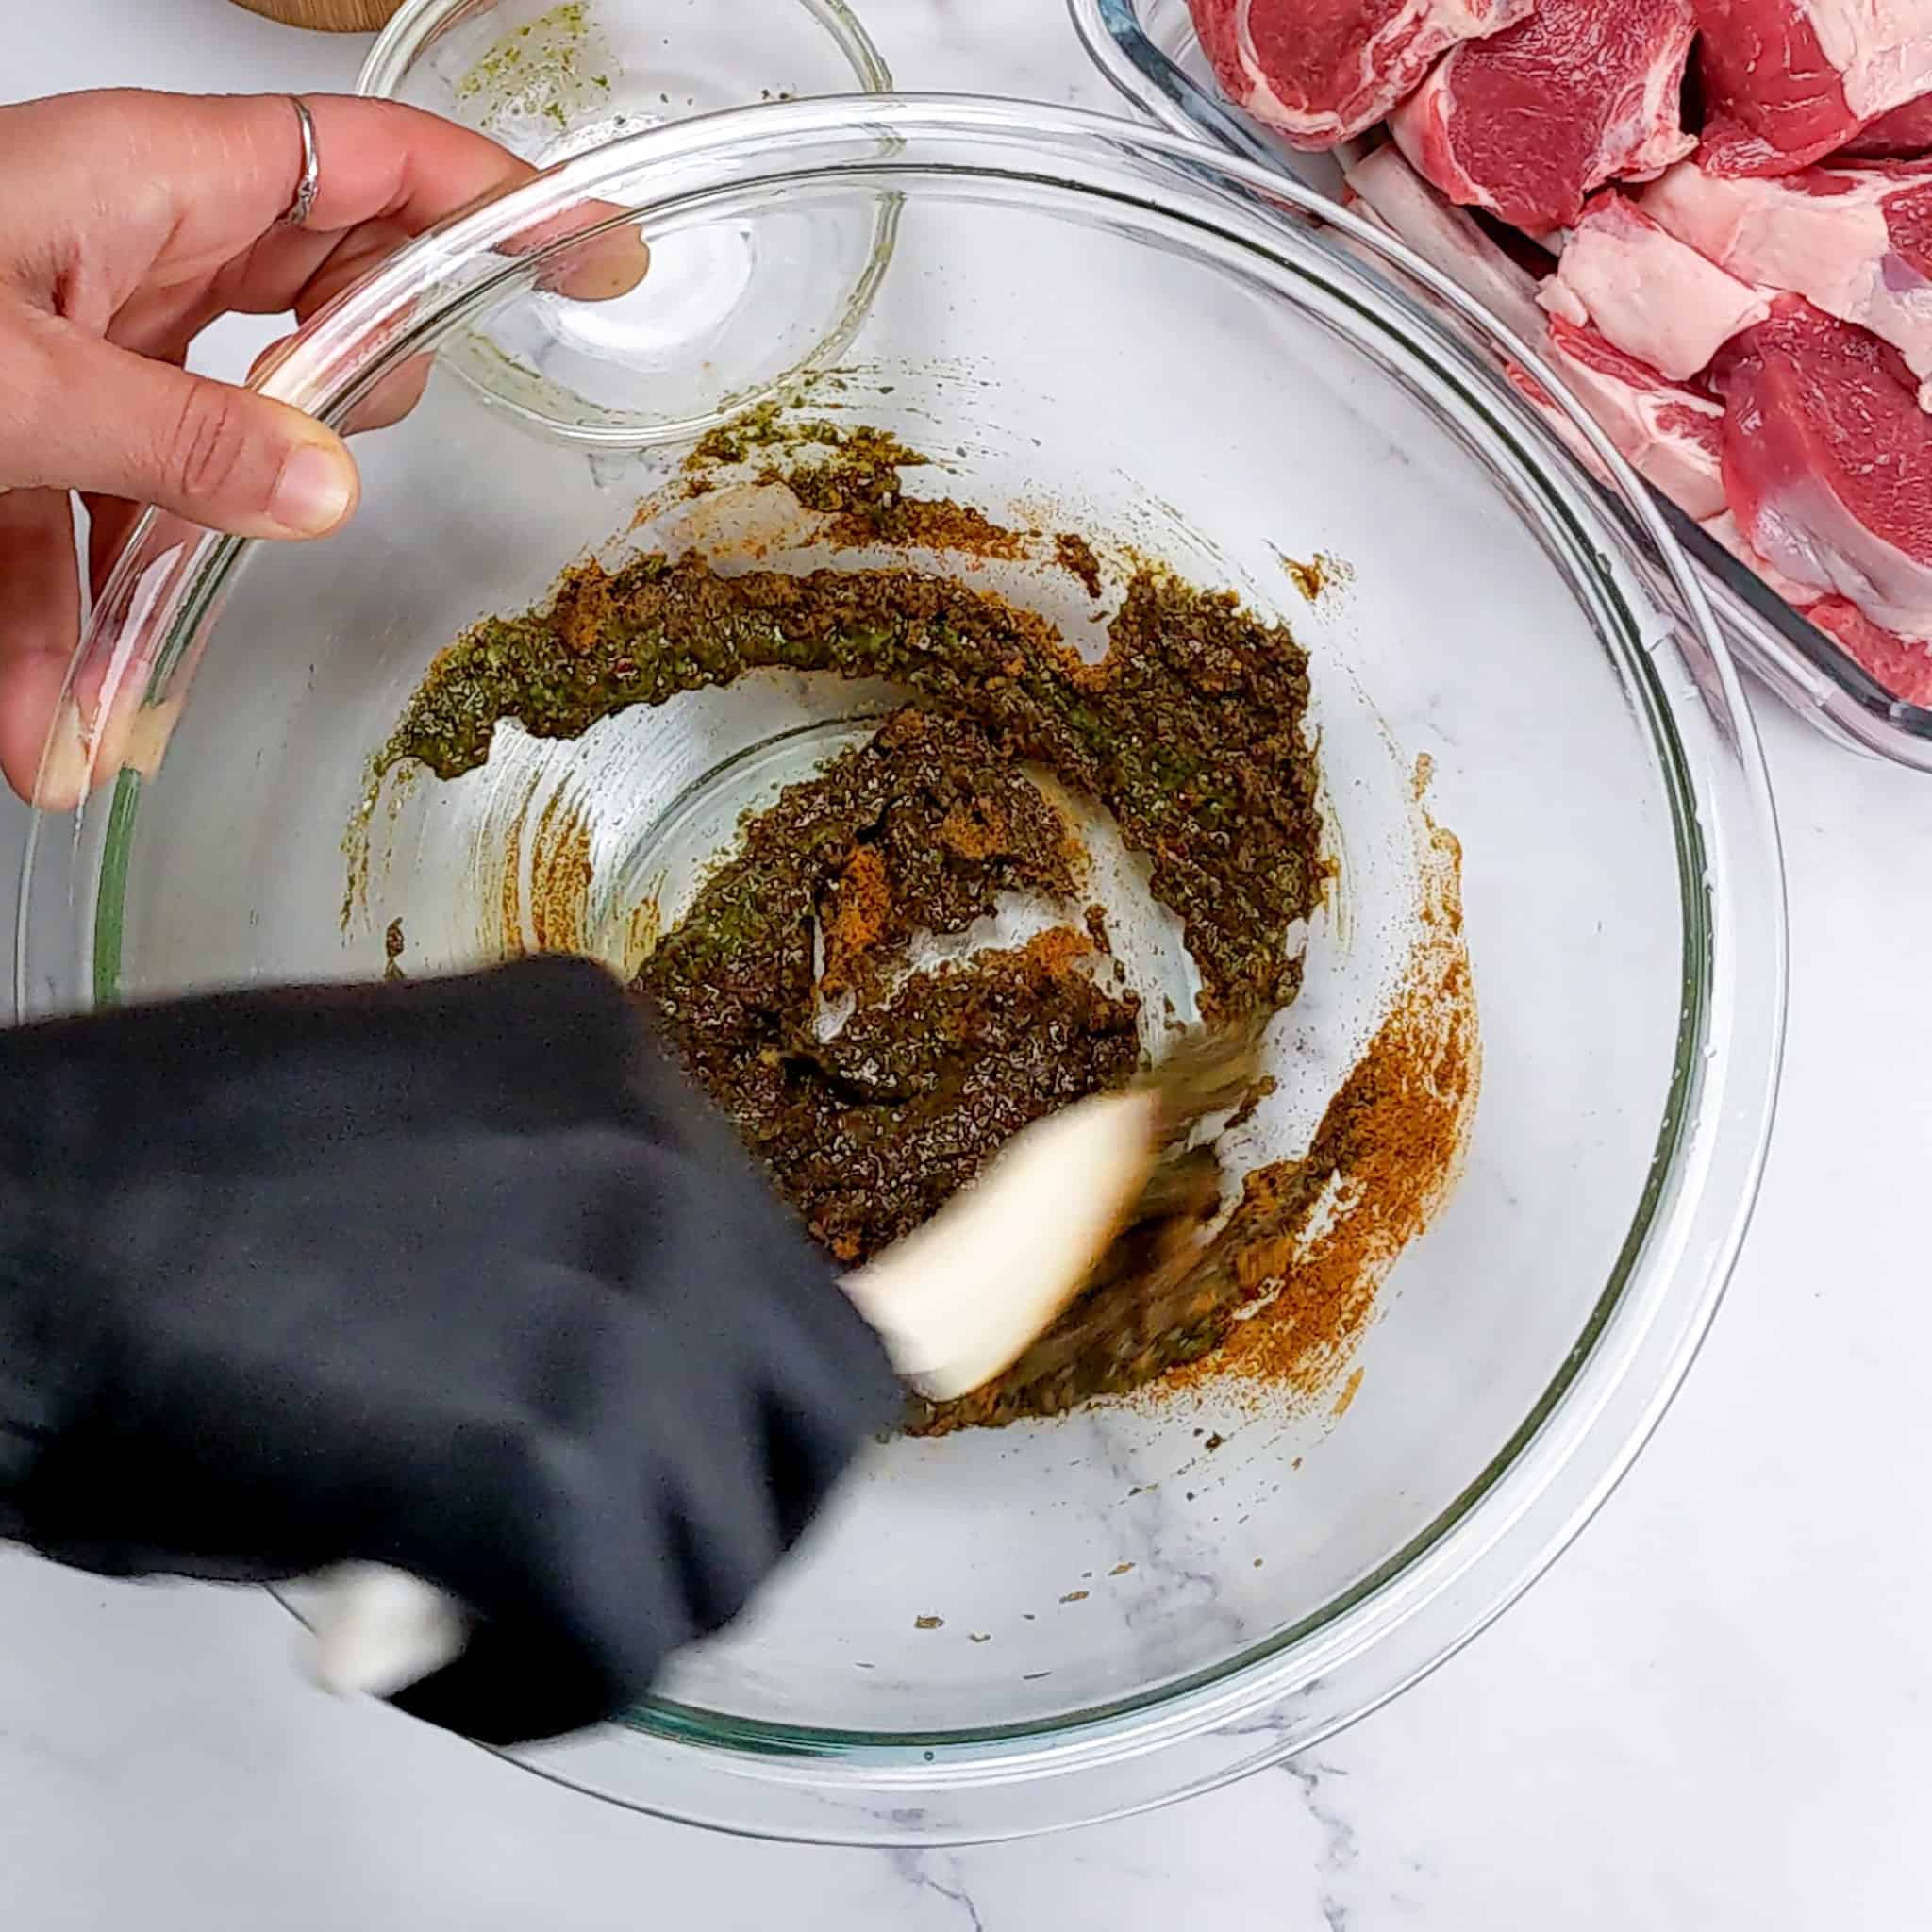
416, 24
1286, 1693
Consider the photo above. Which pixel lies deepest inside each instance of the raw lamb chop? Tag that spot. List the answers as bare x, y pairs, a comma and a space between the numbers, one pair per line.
1646, 292
1324, 70
1529, 121
1902, 135
1725, 529
1856, 243
1788, 81
1667, 432
1827, 462
1902, 665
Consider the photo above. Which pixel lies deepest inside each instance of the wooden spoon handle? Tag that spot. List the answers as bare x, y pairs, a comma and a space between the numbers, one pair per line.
329, 16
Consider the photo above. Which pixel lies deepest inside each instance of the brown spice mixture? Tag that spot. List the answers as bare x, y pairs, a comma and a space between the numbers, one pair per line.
868, 1131
1075, 555
852, 476
1318, 1235
1306, 577
1151, 1302
1189, 730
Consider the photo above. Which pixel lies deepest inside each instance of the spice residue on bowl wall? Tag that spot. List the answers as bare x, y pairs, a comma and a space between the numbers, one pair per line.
551, 70
872, 1090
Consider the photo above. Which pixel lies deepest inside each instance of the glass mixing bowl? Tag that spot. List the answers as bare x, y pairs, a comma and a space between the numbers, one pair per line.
552, 78
1084, 321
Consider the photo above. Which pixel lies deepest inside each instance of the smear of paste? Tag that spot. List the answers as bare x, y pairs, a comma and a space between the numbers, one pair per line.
1189, 731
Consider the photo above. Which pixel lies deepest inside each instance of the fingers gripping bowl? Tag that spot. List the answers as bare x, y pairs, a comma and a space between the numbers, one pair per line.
1081, 324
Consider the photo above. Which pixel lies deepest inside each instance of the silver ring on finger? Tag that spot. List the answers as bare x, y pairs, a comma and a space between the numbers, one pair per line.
309, 180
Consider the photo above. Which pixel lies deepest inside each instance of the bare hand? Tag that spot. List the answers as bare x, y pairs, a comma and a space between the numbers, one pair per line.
128, 222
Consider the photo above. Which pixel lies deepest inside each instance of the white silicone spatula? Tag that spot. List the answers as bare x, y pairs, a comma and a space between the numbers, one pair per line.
959, 1299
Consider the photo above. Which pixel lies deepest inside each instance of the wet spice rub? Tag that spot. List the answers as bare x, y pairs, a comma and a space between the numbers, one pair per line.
1159, 1298
1187, 730
868, 1127
871, 1091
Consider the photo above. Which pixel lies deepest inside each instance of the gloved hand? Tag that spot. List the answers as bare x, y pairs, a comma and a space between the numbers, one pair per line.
457, 1278
955, 1303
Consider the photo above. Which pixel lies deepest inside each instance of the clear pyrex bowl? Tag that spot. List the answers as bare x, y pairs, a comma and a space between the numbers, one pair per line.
1103, 320
552, 78
1151, 52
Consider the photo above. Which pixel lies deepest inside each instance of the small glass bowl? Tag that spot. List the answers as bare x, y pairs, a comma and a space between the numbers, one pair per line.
1085, 325
553, 78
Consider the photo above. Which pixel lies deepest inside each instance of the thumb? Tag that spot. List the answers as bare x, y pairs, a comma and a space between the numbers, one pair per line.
125, 426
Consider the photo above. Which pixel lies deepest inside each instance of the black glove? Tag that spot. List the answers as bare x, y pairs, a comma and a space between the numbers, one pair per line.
458, 1276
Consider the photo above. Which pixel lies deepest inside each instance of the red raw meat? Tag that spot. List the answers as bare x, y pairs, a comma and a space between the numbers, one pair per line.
1902, 665
1667, 432
1324, 70
1724, 528
1856, 243
1650, 294
1787, 82
1529, 121
1902, 135
1827, 462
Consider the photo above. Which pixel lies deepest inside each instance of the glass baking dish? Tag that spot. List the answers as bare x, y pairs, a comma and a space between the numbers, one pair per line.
1149, 50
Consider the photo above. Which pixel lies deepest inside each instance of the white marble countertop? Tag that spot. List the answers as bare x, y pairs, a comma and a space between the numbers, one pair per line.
1715, 1712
